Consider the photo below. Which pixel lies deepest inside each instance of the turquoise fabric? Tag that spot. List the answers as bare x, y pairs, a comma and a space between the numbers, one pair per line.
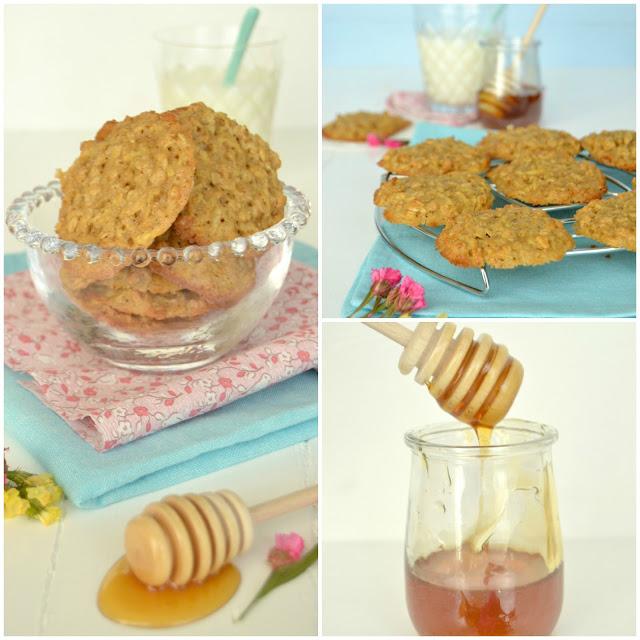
261, 423
575, 287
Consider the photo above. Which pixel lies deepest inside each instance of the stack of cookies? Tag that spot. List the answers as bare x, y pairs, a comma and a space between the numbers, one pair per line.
444, 186
191, 176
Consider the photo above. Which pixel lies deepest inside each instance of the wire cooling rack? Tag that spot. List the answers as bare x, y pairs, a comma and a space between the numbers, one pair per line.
564, 213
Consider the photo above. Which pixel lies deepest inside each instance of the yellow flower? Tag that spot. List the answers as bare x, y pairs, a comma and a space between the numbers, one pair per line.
50, 515
45, 494
40, 479
14, 505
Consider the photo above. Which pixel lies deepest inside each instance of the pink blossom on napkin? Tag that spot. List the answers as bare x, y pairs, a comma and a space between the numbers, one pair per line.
108, 406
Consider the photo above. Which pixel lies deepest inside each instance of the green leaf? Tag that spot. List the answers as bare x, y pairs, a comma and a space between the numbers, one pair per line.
282, 575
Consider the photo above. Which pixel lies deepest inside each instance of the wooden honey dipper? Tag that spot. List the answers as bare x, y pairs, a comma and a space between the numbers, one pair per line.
187, 538
475, 380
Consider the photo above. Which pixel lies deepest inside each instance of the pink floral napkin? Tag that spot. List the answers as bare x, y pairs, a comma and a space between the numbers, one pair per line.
108, 406
415, 106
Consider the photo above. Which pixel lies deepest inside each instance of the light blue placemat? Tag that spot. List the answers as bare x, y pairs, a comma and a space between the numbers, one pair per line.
272, 419
578, 286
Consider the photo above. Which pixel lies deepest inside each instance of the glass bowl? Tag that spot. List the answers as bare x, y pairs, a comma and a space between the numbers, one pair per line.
205, 302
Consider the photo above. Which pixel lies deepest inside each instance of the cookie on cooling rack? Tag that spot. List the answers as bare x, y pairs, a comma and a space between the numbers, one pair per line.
511, 142
355, 127
432, 200
505, 238
435, 157
129, 184
613, 148
549, 180
611, 221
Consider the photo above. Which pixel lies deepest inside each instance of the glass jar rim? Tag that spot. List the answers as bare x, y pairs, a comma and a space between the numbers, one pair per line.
508, 44
17, 219
419, 439
169, 36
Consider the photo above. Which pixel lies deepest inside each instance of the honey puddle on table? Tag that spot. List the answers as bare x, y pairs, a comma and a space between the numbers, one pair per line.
124, 599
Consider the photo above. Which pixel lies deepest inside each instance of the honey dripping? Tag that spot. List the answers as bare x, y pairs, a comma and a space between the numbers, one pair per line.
178, 552
473, 379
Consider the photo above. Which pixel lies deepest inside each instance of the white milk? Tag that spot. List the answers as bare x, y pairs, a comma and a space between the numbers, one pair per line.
452, 67
250, 101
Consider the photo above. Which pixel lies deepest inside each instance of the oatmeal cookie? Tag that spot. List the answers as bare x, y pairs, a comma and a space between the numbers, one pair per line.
432, 200
128, 185
504, 238
611, 221
155, 306
236, 190
221, 282
354, 127
530, 141
141, 279
435, 157
613, 148
79, 274
549, 180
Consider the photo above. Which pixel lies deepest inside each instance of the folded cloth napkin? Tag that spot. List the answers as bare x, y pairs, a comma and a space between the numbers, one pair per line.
108, 407
276, 417
578, 286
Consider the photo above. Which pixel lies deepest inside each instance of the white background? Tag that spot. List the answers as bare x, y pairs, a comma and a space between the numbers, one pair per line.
76, 66
579, 377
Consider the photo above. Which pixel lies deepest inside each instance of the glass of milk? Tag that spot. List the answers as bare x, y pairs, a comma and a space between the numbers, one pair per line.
191, 66
451, 56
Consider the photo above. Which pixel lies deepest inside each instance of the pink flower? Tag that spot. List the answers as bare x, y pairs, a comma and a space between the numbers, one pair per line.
383, 280
408, 297
288, 549
373, 140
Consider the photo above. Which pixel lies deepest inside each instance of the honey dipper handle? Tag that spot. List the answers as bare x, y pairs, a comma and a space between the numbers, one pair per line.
392, 330
285, 504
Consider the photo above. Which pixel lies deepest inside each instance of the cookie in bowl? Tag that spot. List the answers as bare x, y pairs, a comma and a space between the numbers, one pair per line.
175, 237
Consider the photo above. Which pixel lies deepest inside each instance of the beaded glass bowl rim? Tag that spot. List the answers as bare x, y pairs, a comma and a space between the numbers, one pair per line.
296, 214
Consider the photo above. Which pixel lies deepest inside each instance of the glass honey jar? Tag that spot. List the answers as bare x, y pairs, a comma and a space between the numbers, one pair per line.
483, 552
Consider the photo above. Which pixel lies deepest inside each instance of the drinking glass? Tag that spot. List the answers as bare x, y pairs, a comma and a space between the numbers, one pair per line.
191, 67
483, 545
511, 91
449, 37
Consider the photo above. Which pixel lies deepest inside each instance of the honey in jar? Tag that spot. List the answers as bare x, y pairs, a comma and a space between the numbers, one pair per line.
490, 593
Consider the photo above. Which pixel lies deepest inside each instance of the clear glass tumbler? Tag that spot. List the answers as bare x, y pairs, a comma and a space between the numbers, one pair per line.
511, 91
483, 544
192, 64
449, 37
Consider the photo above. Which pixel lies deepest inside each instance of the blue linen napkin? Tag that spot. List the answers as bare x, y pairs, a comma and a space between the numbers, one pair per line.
272, 419
578, 286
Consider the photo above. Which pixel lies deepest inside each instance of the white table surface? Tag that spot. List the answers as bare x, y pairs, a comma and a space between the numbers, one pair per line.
577, 100
52, 574
363, 588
